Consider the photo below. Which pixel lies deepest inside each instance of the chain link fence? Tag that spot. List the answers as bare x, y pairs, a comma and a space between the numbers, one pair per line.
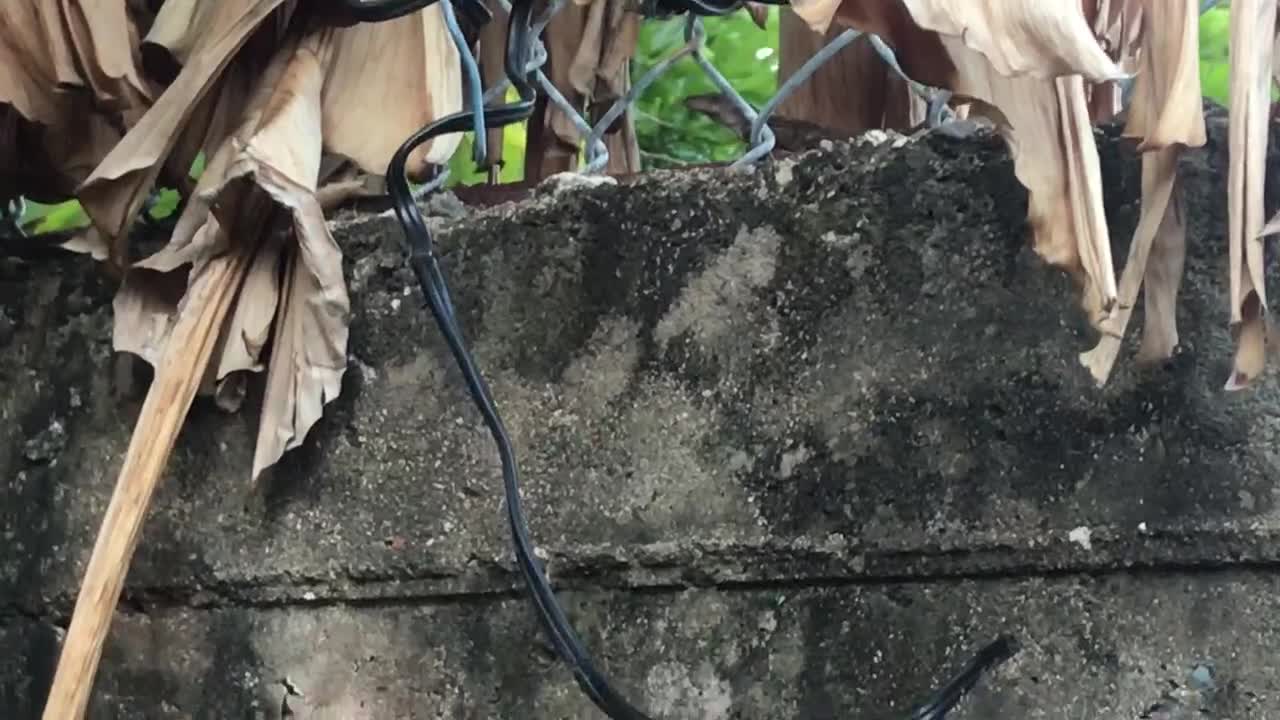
761, 139
760, 136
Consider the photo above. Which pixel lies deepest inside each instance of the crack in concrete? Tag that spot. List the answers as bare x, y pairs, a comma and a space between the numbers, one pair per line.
393, 593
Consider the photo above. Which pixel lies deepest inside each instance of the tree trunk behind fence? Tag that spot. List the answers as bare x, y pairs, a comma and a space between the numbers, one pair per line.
852, 92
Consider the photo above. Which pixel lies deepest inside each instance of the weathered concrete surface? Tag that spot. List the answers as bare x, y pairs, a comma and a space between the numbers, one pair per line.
1095, 649
798, 441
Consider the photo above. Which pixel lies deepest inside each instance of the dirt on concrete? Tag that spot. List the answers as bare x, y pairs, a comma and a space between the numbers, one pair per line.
796, 441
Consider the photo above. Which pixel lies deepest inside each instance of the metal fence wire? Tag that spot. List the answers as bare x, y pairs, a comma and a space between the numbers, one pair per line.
761, 138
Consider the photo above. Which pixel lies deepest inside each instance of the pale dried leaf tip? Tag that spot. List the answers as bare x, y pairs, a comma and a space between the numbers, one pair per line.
1166, 115
1253, 27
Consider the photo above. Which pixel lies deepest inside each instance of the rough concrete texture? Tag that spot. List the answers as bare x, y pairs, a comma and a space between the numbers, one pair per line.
796, 442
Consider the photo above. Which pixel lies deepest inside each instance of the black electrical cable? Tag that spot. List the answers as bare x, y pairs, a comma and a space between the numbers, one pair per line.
520, 48
946, 698
422, 259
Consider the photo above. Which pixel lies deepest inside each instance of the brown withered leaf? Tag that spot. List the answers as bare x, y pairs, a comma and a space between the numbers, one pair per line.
1159, 175
310, 337
420, 69
1117, 26
1171, 61
589, 45
181, 26
853, 91
1018, 37
1166, 116
1021, 37
1161, 281
1166, 105
69, 78
1084, 195
106, 53
148, 301
249, 326
288, 139
1253, 30
919, 51
1024, 64
270, 165
184, 28
1046, 124
113, 194
29, 62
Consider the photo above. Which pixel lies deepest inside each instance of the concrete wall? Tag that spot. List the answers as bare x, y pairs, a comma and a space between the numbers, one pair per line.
796, 442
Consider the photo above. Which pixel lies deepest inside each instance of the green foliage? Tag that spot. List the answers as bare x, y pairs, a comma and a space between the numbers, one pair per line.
1215, 36
669, 133
39, 219
462, 168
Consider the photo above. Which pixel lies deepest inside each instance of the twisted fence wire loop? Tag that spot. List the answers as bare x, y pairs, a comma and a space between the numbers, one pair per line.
762, 143
761, 139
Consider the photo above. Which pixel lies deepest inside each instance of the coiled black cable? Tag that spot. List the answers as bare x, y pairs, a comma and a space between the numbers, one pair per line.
521, 37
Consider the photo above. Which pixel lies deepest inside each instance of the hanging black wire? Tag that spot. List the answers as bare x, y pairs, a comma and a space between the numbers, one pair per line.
520, 46
520, 70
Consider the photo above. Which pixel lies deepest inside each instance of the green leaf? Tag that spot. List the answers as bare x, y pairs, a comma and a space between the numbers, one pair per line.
1215, 40
462, 167
165, 204
40, 219
670, 135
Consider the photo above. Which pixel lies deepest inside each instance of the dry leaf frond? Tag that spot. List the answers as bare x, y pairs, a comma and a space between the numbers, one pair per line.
1166, 115
1167, 108
419, 71
1022, 63
1018, 37
113, 194
1117, 24
1021, 37
1253, 28
294, 130
69, 76
1159, 177
1161, 282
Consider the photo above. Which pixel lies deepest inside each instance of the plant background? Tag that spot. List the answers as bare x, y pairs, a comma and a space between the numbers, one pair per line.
671, 135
